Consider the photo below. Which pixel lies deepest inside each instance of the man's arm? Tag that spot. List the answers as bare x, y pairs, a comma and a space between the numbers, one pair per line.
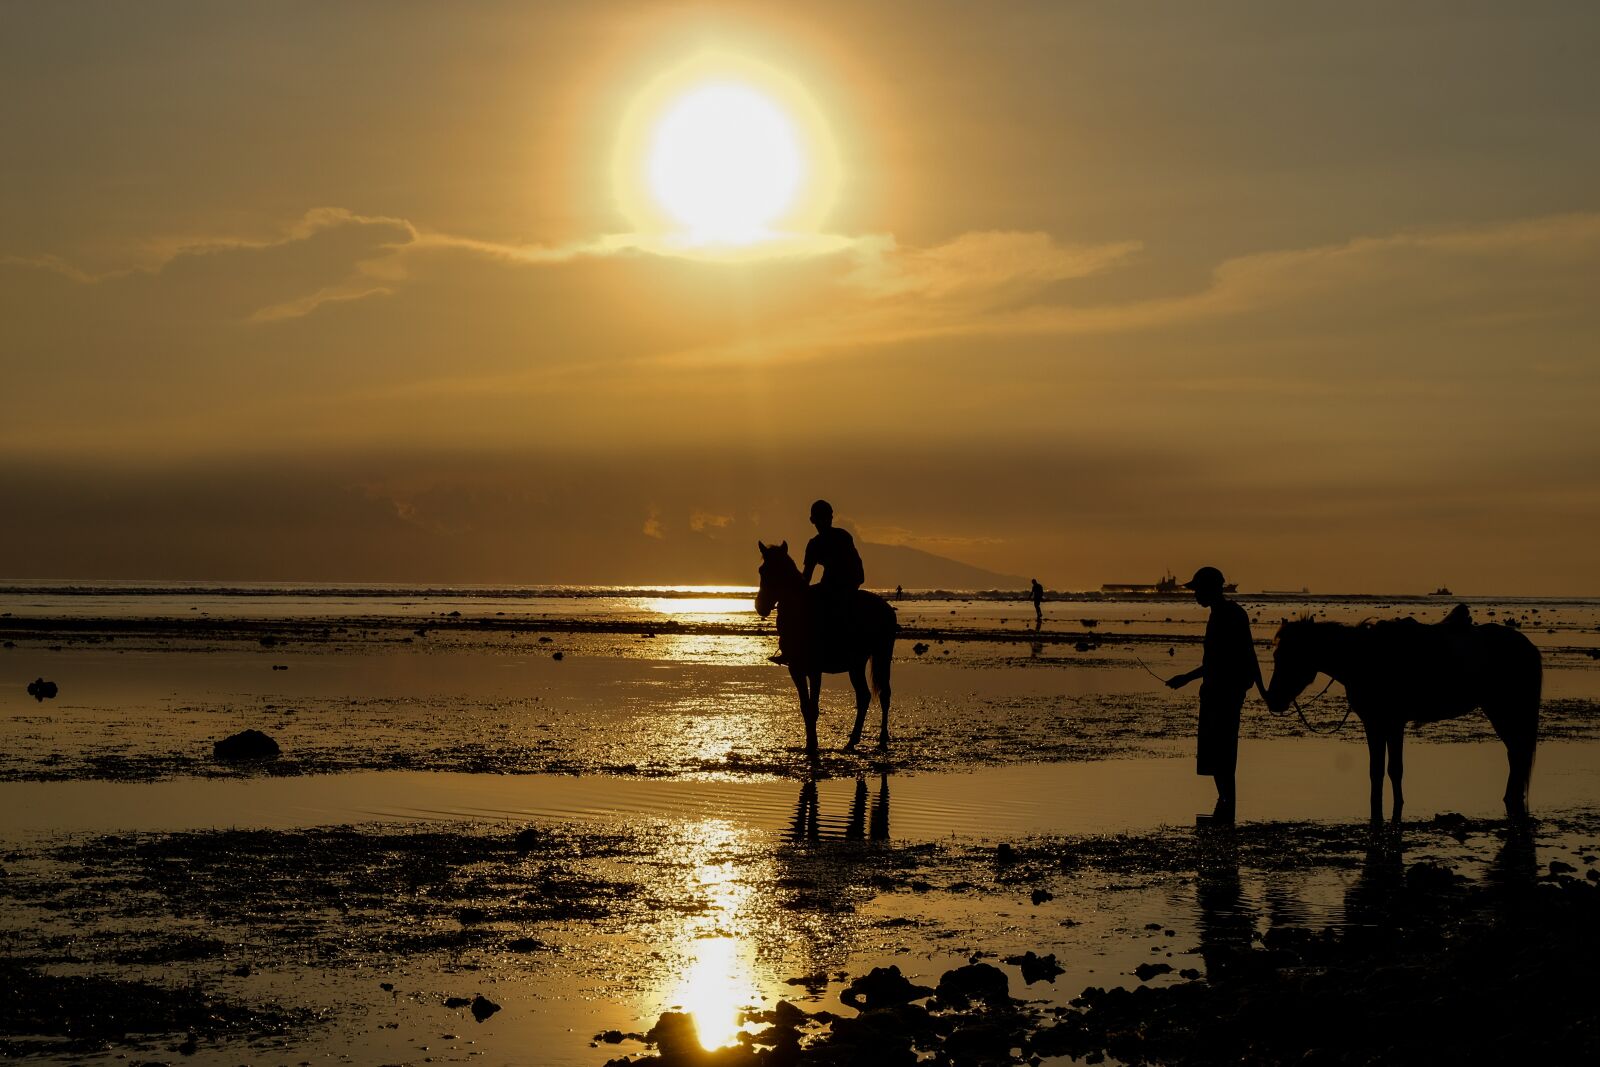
1178, 681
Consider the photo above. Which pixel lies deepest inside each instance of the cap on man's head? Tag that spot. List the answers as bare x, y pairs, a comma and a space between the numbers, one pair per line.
1205, 578
822, 507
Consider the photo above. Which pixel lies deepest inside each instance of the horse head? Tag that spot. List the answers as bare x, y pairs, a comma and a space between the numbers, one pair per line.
779, 573
1293, 663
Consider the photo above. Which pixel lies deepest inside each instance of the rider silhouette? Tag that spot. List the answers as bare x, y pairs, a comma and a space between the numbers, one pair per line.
1230, 668
834, 550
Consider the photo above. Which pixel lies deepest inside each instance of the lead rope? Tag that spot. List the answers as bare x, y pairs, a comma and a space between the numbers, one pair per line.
1298, 710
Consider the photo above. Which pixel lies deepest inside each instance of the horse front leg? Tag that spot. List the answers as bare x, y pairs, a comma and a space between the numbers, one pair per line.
809, 690
1375, 745
1397, 735
858, 678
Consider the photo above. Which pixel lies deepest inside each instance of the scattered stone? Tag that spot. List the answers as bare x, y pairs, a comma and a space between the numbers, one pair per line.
545, 640
982, 982
529, 839
1147, 971
1036, 968
1042, 895
246, 745
456, 1002
483, 1007
1005, 854
1190, 973
920, 648
1560, 867
556, 656
884, 987
41, 690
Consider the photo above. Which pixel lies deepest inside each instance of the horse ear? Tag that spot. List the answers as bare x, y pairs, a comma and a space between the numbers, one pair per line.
785, 545
762, 547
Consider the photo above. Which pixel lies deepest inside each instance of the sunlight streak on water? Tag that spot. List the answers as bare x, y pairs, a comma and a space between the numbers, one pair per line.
718, 977
700, 605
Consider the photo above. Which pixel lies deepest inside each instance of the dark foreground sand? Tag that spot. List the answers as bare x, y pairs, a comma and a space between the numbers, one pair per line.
1457, 940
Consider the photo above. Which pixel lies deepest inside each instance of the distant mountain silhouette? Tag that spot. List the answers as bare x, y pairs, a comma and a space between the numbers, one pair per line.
890, 565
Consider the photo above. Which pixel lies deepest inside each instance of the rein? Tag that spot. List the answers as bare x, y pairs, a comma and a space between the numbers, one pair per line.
1300, 712
1278, 714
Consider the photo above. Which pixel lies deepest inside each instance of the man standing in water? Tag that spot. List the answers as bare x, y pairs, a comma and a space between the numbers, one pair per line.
834, 550
1230, 668
1038, 604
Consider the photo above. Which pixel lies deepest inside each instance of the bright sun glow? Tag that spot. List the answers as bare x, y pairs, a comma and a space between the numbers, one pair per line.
725, 162
725, 157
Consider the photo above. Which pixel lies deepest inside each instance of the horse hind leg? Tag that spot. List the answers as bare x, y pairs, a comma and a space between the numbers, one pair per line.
1518, 728
881, 664
858, 679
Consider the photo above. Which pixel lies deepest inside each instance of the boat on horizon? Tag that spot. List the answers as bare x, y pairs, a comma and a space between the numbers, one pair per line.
1168, 584
1443, 590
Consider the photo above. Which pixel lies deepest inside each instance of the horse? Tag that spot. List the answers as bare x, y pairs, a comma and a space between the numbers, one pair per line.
869, 639
1402, 670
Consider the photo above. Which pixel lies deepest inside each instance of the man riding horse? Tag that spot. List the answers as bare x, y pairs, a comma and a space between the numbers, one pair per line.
834, 550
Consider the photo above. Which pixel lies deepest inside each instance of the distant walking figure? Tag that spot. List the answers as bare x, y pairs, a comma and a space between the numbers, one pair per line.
1229, 668
1038, 601
834, 550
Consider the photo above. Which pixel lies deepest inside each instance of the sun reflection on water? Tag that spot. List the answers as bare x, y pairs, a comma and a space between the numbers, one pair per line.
718, 980
700, 605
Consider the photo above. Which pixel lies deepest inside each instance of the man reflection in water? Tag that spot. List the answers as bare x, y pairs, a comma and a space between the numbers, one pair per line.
834, 550
1230, 668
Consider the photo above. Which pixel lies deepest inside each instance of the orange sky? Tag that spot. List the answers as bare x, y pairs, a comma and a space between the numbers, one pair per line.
305, 290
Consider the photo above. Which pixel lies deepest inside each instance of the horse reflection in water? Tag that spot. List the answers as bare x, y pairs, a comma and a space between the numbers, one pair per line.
865, 638
861, 824
1402, 671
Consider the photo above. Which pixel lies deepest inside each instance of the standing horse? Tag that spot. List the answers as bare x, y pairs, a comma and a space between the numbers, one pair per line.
1399, 671
812, 652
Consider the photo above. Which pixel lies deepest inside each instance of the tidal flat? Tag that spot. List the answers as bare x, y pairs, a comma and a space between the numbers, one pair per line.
470, 850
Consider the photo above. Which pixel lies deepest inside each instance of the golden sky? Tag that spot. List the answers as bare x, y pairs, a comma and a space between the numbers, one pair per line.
308, 290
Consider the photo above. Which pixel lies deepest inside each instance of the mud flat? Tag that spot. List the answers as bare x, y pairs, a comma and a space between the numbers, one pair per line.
1271, 942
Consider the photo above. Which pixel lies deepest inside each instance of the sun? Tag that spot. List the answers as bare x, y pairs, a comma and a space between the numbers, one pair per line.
725, 155
725, 161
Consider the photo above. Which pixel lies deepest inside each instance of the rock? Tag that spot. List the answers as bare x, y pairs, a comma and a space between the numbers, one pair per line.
555, 655
980, 982
456, 1002
246, 745
1036, 968
1005, 854
1190, 973
1561, 867
675, 1035
41, 690
268, 641
483, 1007
528, 840
884, 987
1042, 895
920, 648
1147, 971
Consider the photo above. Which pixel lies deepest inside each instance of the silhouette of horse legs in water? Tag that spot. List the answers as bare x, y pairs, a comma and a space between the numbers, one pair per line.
868, 642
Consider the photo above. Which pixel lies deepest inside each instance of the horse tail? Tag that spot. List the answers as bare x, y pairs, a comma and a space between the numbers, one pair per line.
883, 652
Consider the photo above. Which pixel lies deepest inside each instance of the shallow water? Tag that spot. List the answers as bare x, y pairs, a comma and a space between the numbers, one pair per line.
661, 764
1299, 780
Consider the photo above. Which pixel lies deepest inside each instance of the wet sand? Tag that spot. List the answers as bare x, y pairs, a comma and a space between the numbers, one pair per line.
590, 842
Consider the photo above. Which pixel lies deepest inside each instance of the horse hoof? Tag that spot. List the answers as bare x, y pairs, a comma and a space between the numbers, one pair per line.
850, 745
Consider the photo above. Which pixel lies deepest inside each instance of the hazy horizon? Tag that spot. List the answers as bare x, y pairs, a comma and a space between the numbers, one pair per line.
1076, 291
